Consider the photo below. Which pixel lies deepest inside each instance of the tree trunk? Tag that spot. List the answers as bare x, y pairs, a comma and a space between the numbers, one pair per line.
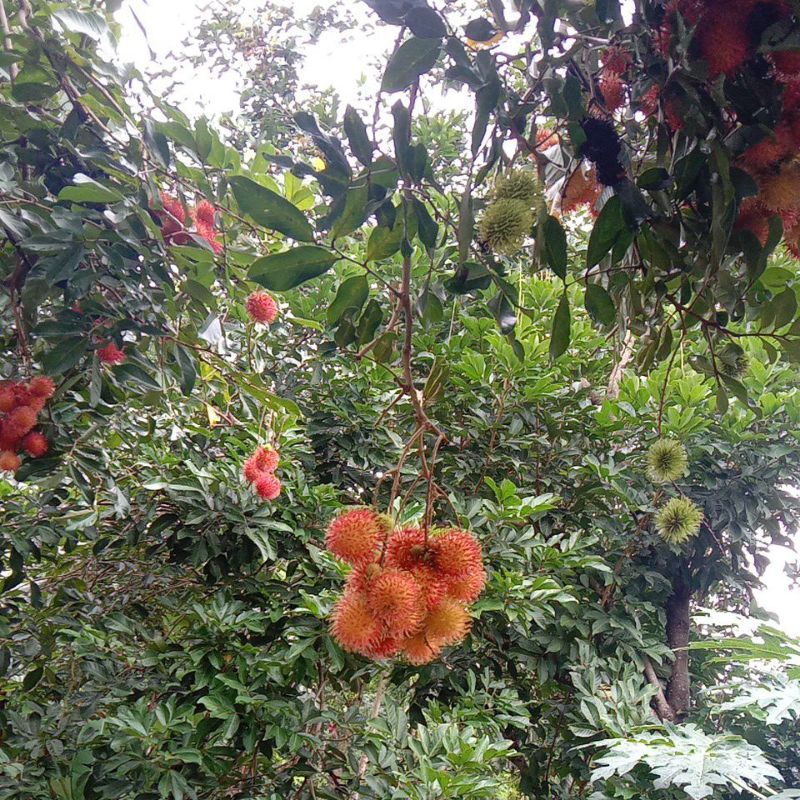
678, 608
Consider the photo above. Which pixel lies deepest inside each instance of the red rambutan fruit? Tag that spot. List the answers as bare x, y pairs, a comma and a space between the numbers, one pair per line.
616, 60
251, 471
353, 625
456, 552
394, 597
772, 148
208, 234
354, 535
781, 191
723, 40
173, 207
268, 487
673, 115
267, 459
448, 623
613, 90
432, 584
467, 587
206, 213
418, 650
791, 96
388, 647
35, 444
787, 62
22, 419
361, 576
648, 102
754, 218
42, 386
110, 354
406, 549
8, 398
261, 307
9, 461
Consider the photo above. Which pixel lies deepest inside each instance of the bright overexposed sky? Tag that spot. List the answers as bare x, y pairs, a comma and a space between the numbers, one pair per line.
346, 65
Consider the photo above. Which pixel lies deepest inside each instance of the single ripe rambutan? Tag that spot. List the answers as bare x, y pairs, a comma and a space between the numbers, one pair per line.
613, 91
8, 398
261, 307
678, 520
648, 101
731, 360
432, 585
209, 235
787, 62
354, 535
9, 437
505, 225
394, 597
666, 461
456, 552
362, 575
418, 650
448, 623
35, 444
771, 149
42, 386
110, 354
251, 471
173, 207
388, 647
205, 213
354, 626
268, 487
22, 419
467, 587
406, 549
616, 60
518, 185
9, 461
781, 191
754, 218
723, 40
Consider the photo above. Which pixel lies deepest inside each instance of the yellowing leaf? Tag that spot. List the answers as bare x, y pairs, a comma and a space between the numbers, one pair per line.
213, 415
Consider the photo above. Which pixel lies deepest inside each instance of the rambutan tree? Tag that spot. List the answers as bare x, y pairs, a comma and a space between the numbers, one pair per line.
390, 453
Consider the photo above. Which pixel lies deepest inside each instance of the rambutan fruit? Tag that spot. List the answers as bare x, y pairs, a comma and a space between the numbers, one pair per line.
173, 207
261, 307
723, 40
251, 471
418, 650
772, 148
8, 398
505, 224
42, 386
581, 189
354, 626
432, 585
673, 115
388, 647
394, 597
616, 60
206, 213
406, 549
267, 486
36, 404
9, 438
781, 191
361, 575
22, 419
456, 552
613, 91
448, 623
787, 63
35, 444
666, 461
209, 235
355, 535
263, 460
9, 461
518, 185
752, 217
791, 96
678, 520
648, 101
467, 587
110, 354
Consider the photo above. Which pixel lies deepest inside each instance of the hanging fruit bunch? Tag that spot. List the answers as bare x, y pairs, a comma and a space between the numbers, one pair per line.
20, 405
259, 472
176, 224
409, 592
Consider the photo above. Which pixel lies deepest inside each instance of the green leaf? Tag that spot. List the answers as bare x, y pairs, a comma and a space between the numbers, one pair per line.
352, 294
357, 136
385, 242
187, 368
560, 336
65, 355
437, 378
427, 227
413, 58
88, 190
368, 324
355, 210
555, 246
283, 271
425, 23
609, 229
270, 209
84, 22
599, 304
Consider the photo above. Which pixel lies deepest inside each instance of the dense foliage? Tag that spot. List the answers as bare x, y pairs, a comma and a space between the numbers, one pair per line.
608, 401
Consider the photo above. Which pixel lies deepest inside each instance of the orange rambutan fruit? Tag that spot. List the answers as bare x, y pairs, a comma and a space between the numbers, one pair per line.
8, 398
388, 647
42, 386
267, 486
780, 191
580, 189
448, 623
110, 354
723, 40
361, 575
418, 650
406, 549
22, 419
35, 444
261, 307
772, 148
355, 535
616, 60
394, 597
456, 552
432, 584
205, 213
467, 587
354, 626
9, 461
613, 91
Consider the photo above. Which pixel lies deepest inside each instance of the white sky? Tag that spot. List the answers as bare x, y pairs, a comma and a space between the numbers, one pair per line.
347, 67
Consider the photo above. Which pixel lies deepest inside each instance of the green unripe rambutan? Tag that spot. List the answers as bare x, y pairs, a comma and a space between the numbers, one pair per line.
666, 461
732, 361
518, 185
505, 225
678, 520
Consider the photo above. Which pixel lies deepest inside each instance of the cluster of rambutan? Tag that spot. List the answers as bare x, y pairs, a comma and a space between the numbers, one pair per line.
509, 217
176, 224
259, 472
409, 593
610, 82
261, 307
20, 405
